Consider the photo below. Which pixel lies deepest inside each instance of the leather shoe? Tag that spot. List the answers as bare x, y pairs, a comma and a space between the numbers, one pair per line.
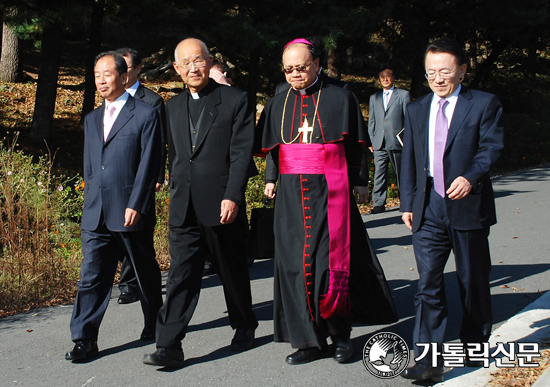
243, 339
342, 350
165, 357
423, 371
83, 350
127, 298
148, 334
305, 355
377, 210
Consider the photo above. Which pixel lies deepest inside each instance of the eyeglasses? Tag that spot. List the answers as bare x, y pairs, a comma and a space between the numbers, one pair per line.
198, 63
299, 68
443, 74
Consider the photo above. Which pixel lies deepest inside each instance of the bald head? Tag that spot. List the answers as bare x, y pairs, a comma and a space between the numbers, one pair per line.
299, 66
193, 63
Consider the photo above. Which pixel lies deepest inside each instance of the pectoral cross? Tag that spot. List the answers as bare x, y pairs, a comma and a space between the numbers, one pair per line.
305, 129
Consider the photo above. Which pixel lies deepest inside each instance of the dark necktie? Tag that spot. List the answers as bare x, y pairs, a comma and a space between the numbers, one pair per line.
440, 140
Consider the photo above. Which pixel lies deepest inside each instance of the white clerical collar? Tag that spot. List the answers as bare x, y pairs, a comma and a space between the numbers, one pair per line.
304, 90
195, 95
133, 89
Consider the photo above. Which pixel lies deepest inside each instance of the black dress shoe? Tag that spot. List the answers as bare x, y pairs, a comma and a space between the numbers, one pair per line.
148, 334
83, 350
423, 371
208, 269
127, 298
243, 339
165, 357
305, 355
377, 210
342, 350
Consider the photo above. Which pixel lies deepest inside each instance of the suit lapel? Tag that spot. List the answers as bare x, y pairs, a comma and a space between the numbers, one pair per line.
209, 115
140, 93
124, 116
393, 98
462, 108
180, 132
99, 122
423, 118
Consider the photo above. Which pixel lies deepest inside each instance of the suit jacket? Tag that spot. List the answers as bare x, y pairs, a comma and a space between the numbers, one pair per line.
474, 142
219, 167
121, 173
153, 99
384, 125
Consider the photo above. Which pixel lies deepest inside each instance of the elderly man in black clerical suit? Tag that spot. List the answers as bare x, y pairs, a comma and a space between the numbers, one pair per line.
326, 271
210, 137
452, 138
122, 151
128, 284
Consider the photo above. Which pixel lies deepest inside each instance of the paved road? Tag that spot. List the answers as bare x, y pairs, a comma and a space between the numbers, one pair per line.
32, 345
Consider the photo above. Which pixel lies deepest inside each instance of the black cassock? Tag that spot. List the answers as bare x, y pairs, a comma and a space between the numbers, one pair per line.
301, 225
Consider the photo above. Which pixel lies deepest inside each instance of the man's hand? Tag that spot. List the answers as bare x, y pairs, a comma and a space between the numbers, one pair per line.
408, 219
361, 194
219, 77
229, 210
131, 217
269, 191
157, 187
371, 149
459, 189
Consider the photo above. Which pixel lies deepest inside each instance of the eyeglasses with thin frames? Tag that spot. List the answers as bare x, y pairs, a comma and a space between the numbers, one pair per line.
299, 68
443, 74
198, 63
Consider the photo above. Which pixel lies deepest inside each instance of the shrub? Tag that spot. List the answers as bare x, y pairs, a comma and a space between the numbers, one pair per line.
39, 234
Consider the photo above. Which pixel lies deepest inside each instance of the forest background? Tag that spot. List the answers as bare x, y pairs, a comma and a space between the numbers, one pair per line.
47, 87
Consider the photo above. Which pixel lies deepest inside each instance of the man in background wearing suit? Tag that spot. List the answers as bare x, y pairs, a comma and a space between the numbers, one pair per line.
210, 137
452, 138
386, 120
128, 284
121, 163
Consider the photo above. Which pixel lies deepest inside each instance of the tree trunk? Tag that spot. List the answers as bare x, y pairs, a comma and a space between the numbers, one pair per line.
94, 45
9, 62
484, 69
333, 64
46, 89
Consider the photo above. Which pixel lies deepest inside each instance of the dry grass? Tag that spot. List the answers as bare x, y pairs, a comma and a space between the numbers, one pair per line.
520, 376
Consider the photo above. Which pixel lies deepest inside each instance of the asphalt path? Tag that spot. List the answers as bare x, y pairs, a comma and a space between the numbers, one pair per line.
33, 344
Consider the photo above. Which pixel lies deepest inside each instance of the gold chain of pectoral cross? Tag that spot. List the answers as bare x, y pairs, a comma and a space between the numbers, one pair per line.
304, 129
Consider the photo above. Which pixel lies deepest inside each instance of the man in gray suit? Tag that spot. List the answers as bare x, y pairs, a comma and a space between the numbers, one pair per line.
386, 121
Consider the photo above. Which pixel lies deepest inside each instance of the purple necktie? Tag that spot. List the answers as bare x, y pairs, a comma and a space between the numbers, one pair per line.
108, 121
440, 140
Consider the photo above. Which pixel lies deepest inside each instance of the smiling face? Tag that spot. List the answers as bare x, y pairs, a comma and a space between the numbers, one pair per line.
107, 80
438, 63
296, 56
189, 52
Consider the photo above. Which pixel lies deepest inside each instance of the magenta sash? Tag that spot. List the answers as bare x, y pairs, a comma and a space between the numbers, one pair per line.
330, 160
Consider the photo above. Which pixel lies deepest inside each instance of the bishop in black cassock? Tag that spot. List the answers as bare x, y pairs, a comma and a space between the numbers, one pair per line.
313, 135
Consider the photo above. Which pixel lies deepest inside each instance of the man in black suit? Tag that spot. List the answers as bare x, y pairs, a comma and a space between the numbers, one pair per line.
452, 138
210, 137
121, 163
386, 121
128, 284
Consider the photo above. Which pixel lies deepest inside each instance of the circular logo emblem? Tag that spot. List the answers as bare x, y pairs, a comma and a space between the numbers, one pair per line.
386, 355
